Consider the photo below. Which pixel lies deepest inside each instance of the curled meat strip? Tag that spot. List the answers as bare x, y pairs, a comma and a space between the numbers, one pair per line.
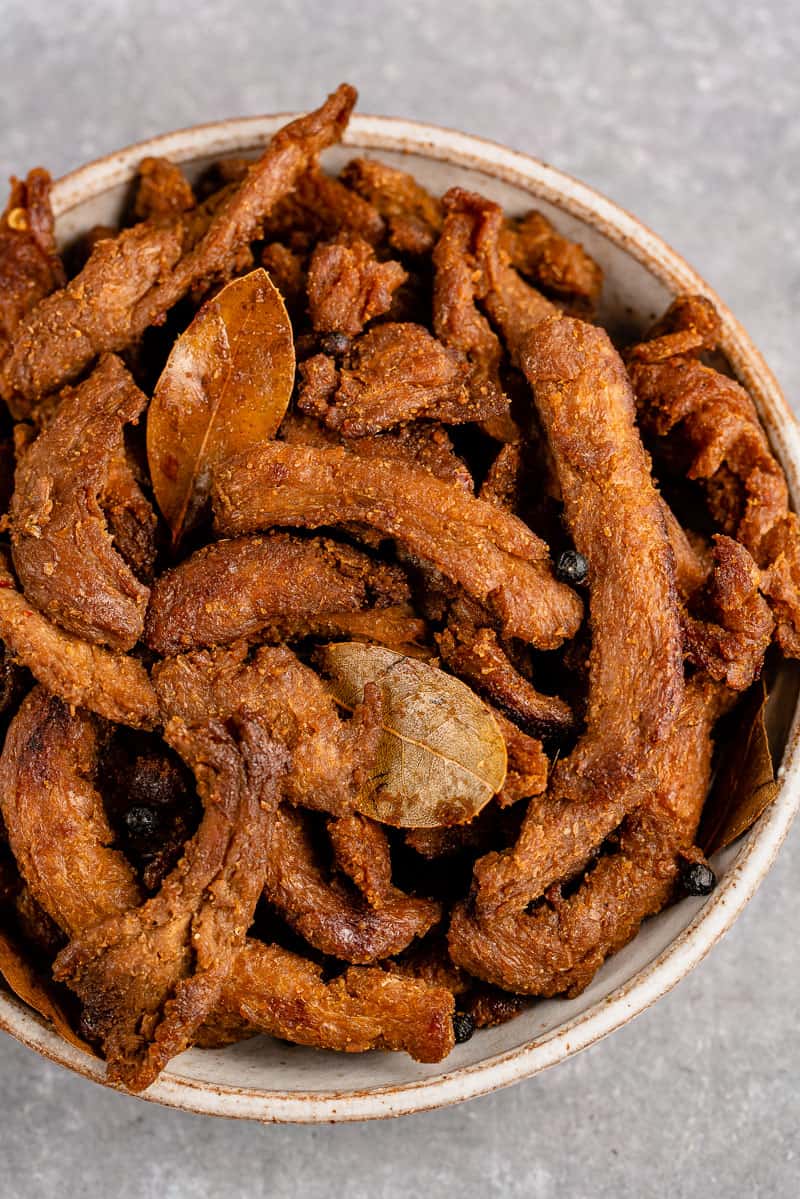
708, 422
413, 215
538, 250
347, 285
319, 208
492, 555
63, 553
329, 914
233, 589
329, 755
30, 267
361, 851
46, 773
397, 372
114, 685
131, 281
562, 942
616, 520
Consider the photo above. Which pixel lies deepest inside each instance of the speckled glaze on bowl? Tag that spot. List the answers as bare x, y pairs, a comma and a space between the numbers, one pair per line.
266, 1080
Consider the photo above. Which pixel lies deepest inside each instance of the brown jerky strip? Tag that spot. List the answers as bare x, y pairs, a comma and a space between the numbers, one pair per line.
93, 314
711, 422
636, 665
361, 851
113, 685
414, 216
54, 816
329, 754
131, 520
397, 372
271, 990
347, 285
475, 654
150, 977
63, 553
232, 589
30, 267
560, 945
163, 191
492, 555
320, 208
131, 282
536, 249
329, 915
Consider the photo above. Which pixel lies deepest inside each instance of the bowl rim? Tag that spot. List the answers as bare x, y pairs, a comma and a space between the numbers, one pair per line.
761, 844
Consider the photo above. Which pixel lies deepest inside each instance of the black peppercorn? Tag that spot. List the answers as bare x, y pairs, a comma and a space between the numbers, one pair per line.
697, 878
335, 343
141, 823
572, 568
463, 1027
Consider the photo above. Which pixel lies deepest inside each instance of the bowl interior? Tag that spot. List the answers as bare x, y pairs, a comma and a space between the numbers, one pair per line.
266, 1079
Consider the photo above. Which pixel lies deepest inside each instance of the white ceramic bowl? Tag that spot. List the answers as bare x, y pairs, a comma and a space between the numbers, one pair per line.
266, 1080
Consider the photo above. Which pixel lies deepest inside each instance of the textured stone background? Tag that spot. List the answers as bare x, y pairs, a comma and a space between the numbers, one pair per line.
687, 114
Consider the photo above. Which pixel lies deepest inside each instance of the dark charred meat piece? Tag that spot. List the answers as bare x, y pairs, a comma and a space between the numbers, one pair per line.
710, 423
729, 626
30, 267
492, 555
131, 282
63, 552
347, 285
551, 260
163, 192
329, 755
615, 518
559, 946
114, 685
413, 215
233, 589
395, 373
329, 914
92, 315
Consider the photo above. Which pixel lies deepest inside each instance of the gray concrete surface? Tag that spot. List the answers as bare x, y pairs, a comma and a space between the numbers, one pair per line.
686, 113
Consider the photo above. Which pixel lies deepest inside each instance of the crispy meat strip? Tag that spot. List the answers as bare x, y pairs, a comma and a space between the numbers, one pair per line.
347, 286
422, 444
536, 249
710, 422
54, 817
329, 755
232, 589
729, 626
319, 208
528, 766
113, 685
149, 978
129, 283
92, 315
163, 191
615, 517
492, 555
273, 991
30, 267
503, 481
475, 654
63, 553
514, 306
131, 520
286, 270
396, 373
396, 627
560, 945
413, 215
457, 321
50, 755
330, 915
361, 851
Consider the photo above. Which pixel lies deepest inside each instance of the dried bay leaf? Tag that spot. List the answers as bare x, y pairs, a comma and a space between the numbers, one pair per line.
441, 756
225, 388
745, 784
